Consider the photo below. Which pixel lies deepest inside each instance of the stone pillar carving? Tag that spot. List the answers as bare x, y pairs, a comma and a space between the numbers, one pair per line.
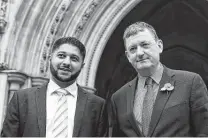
38, 81
3, 66
3, 15
16, 80
11, 81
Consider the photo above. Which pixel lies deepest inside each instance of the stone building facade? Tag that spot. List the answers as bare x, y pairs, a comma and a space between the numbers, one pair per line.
29, 27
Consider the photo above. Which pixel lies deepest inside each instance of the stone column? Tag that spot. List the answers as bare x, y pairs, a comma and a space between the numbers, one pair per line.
16, 80
11, 81
3, 95
38, 81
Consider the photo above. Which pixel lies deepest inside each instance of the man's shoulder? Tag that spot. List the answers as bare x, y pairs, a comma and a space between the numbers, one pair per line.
25, 94
92, 96
29, 91
95, 97
124, 88
183, 73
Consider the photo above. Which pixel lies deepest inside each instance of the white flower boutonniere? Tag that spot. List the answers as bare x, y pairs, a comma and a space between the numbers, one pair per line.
167, 87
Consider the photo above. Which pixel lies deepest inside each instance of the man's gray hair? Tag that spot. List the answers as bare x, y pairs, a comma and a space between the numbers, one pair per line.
139, 27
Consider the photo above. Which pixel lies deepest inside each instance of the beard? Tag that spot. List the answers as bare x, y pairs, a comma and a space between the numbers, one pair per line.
59, 78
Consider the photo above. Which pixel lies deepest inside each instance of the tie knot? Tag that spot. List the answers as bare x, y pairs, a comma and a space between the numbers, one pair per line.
62, 92
148, 81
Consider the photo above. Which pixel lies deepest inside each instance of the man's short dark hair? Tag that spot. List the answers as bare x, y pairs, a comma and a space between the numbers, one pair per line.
69, 40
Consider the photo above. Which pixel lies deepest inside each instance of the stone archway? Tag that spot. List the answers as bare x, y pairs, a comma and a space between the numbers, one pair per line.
38, 23
181, 24
33, 26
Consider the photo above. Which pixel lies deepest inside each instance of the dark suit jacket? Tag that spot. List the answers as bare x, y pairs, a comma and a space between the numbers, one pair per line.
26, 114
181, 112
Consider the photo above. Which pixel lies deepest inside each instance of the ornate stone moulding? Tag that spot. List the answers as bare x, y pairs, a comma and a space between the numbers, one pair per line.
103, 29
3, 15
3, 66
50, 37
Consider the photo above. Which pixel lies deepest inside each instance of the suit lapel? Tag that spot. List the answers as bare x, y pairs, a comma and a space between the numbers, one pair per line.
130, 99
161, 100
41, 109
80, 109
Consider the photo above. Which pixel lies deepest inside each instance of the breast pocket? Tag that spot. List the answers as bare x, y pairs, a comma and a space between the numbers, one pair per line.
175, 104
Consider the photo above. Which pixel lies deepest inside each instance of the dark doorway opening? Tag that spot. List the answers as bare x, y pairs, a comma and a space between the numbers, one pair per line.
183, 27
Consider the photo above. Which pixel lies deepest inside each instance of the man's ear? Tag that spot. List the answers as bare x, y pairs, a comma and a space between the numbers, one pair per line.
127, 55
160, 45
83, 65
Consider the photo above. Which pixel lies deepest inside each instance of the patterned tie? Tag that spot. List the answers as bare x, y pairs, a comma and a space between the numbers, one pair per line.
147, 106
138, 102
60, 123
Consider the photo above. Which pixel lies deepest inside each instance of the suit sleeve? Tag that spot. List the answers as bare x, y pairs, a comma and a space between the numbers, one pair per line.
102, 130
199, 107
11, 122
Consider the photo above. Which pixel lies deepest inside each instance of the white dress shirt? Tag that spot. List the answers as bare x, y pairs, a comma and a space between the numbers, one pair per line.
51, 103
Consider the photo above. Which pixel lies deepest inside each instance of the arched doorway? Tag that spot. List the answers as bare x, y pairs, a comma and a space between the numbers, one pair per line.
181, 24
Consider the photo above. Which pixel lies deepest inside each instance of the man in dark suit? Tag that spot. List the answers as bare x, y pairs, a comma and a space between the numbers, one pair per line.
159, 101
60, 108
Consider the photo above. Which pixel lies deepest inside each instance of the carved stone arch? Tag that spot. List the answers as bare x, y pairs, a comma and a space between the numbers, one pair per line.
38, 23
98, 32
181, 24
29, 27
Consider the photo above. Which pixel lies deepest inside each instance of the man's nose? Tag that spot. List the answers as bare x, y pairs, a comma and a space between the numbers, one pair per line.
140, 51
67, 61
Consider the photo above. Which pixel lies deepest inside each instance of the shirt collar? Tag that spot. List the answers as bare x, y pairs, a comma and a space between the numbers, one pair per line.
52, 86
72, 89
157, 75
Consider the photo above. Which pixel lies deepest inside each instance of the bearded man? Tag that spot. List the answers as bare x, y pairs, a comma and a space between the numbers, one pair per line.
60, 108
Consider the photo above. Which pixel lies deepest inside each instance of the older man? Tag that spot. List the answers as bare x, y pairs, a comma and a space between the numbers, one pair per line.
159, 101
